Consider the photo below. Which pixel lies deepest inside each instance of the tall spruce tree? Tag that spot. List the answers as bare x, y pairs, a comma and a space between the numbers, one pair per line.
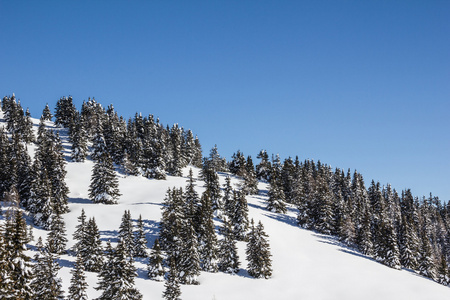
227, 254
78, 284
46, 283
172, 286
207, 239
139, 241
258, 253
155, 265
104, 187
56, 238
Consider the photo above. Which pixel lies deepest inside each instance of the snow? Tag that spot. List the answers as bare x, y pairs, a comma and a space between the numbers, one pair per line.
305, 265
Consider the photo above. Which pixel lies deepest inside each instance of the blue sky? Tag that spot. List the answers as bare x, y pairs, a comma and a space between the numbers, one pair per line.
357, 84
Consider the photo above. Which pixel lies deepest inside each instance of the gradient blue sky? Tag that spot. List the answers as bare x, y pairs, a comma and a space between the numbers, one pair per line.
357, 84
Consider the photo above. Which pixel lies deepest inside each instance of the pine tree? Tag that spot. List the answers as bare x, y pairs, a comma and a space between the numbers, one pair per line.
191, 199
104, 187
228, 199
258, 253
46, 283
239, 219
427, 267
264, 167
207, 240
90, 249
276, 197
189, 258
140, 241
228, 256
250, 180
117, 276
47, 114
172, 286
155, 266
15, 267
56, 239
78, 284
126, 233
80, 233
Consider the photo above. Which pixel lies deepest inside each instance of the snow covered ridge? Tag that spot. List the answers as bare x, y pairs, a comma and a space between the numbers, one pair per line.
304, 263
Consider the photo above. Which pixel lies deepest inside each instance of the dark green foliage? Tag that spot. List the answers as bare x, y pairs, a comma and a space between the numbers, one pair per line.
264, 167
65, 112
104, 187
258, 253
155, 266
46, 284
140, 241
78, 284
46, 113
117, 276
227, 253
15, 267
56, 238
126, 233
207, 239
276, 197
172, 286
239, 219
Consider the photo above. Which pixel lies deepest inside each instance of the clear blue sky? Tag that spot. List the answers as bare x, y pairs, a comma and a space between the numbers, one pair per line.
357, 84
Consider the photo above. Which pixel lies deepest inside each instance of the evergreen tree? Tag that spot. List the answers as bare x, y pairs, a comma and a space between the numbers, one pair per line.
56, 239
228, 199
189, 258
228, 256
140, 241
46, 284
90, 249
239, 220
15, 267
172, 286
276, 197
250, 180
155, 266
191, 199
126, 233
427, 267
207, 240
79, 142
78, 284
80, 233
104, 187
258, 253
46, 113
264, 167
117, 276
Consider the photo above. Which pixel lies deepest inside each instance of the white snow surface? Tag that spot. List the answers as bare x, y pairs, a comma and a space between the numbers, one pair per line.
306, 265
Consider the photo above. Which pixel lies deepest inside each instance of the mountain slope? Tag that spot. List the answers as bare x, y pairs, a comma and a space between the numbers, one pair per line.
306, 265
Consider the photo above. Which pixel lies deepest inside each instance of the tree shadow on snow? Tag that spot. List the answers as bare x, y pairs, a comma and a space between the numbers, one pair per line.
80, 201
283, 218
151, 229
109, 235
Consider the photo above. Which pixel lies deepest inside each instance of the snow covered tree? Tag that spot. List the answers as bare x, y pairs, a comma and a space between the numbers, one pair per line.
46, 113
250, 181
79, 142
191, 199
140, 241
56, 238
126, 233
15, 267
227, 253
258, 253
90, 249
46, 284
171, 223
264, 167
172, 286
276, 197
427, 266
228, 199
189, 258
117, 276
80, 232
155, 265
78, 284
207, 240
239, 219
104, 187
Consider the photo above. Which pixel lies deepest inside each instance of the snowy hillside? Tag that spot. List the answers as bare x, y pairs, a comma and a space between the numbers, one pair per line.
306, 265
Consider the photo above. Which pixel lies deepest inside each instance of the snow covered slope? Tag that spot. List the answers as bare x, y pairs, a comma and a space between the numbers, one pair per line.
306, 265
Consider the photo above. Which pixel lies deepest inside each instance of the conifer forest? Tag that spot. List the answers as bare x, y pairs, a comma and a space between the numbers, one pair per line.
205, 224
